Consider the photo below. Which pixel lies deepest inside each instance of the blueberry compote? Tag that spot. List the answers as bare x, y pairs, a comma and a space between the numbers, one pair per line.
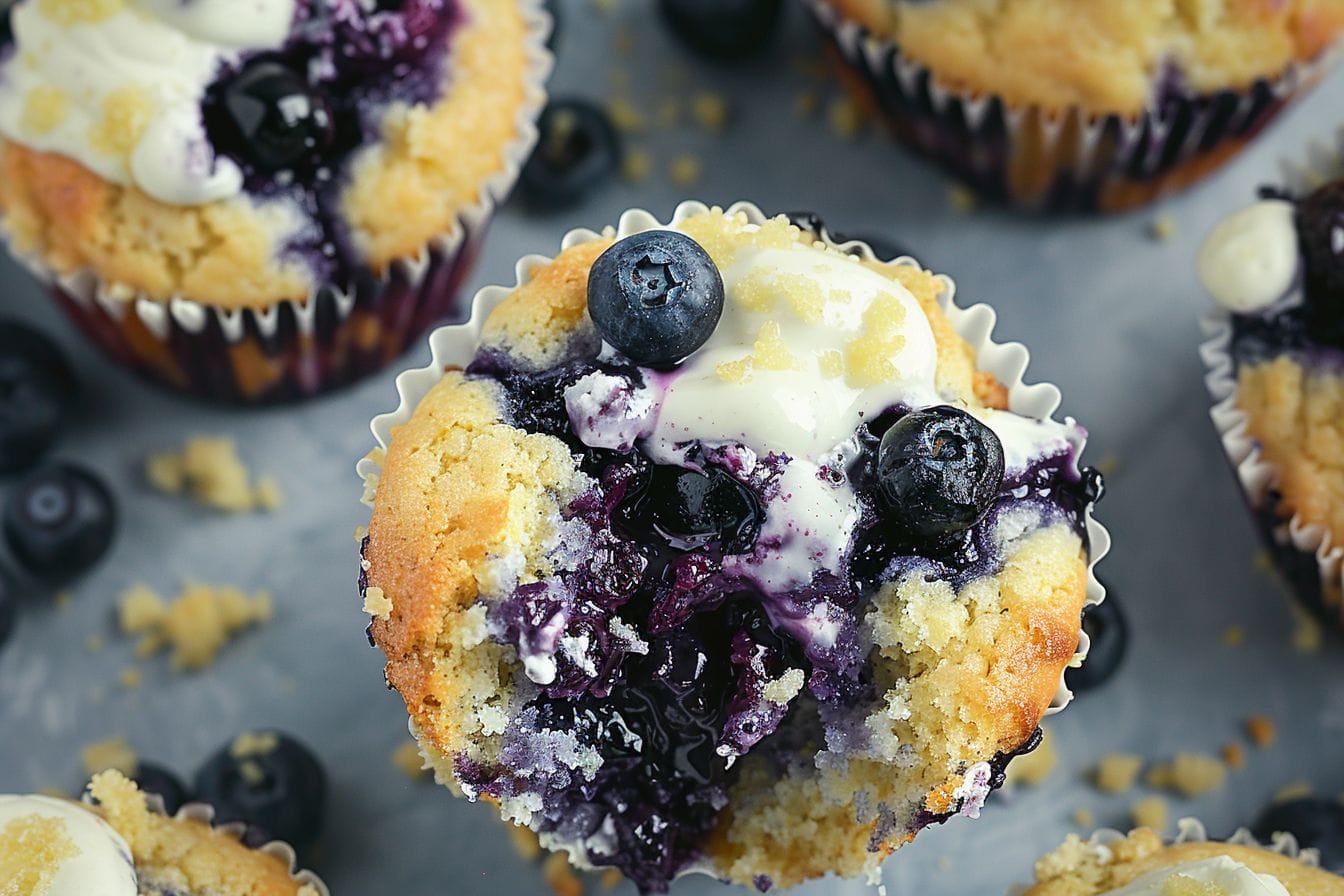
652, 660
292, 118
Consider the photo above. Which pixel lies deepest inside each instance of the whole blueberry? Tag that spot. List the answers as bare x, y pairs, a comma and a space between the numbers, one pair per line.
269, 780
269, 115
722, 29
1314, 822
577, 150
690, 509
37, 388
60, 520
1108, 631
1320, 233
939, 470
158, 780
655, 297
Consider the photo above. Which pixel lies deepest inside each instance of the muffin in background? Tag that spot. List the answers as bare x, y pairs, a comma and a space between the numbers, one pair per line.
259, 208
1079, 105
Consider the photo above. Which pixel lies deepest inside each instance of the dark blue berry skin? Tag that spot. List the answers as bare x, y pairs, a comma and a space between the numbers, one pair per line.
283, 791
578, 149
655, 297
60, 520
939, 470
9, 611
689, 509
37, 388
1314, 822
1108, 630
1320, 216
722, 29
156, 779
269, 115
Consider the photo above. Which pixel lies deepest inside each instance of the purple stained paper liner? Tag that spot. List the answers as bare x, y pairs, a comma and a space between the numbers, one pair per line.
1069, 161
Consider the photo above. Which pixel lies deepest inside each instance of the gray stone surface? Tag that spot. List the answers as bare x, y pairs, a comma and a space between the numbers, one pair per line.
1108, 312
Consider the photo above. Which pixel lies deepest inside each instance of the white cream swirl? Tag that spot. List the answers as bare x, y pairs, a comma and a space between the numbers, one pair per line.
117, 86
1250, 259
71, 850
1221, 874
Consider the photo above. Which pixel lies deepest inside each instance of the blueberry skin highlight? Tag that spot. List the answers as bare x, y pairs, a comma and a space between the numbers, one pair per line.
655, 297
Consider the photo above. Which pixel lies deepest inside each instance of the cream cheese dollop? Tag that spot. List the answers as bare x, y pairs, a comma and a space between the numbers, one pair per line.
80, 854
1250, 259
1228, 876
117, 86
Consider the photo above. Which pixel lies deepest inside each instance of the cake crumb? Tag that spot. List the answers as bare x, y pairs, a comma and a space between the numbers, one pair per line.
1262, 731
845, 118
209, 470
1294, 791
963, 200
1108, 466
945, 864
685, 170
611, 879
625, 115
1233, 755
624, 41
63, 599
1032, 768
361, 533
1263, 561
525, 842
94, 643
1084, 818
637, 165
196, 624
1189, 774
376, 603
1306, 630
130, 678
1162, 228
407, 758
1117, 772
806, 104
1150, 812
253, 743
112, 753
1233, 636
560, 877
710, 110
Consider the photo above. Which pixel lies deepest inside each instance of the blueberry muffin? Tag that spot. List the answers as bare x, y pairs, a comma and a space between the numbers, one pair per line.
260, 207
1141, 864
717, 552
1276, 272
1080, 104
119, 846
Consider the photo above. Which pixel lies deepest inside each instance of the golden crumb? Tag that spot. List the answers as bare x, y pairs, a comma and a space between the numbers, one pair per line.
1262, 731
1233, 636
94, 643
254, 743
1034, 767
806, 104
1293, 791
197, 624
560, 877
525, 842
1083, 818
1263, 562
1117, 772
710, 110
636, 165
669, 112
407, 758
209, 469
1150, 812
961, 198
361, 532
624, 41
625, 116
63, 599
112, 753
845, 118
140, 610
33, 849
130, 678
685, 170
611, 879
1306, 630
1189, 774
268, 495
376, 603
1109, 465
1163, 227
1233, 755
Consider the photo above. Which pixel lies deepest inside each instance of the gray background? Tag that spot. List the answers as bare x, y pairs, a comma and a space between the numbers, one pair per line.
1110, 314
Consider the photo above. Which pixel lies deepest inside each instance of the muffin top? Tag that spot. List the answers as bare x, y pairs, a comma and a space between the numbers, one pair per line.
1102, 56
584, 542
184, 150
55, 847
1142, 865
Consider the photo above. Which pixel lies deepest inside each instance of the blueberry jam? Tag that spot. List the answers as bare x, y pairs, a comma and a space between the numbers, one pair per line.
291, 119
657, 661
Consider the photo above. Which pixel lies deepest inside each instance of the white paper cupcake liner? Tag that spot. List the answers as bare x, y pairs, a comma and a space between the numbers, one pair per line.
339, 333
456, 345
1258, 479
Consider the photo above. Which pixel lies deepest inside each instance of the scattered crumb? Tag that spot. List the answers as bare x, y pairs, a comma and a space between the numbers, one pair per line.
812, 67
1189, 774
1306, 630
611, 879
637, 165
525, 842
626, 117
407, 758
376, 603
1163, 227
1084, 818
685, 170
962, 199
1234, 636
669, 112
945, 864
845, 117
624, 41
208, 468
560, 877
1233, 755
1262, 731
361, 533
1263, 561
1108, 466
94, 643
710, 110
606, 7
1294, 791
63, 599
130, 678
200, 621
807, 103
1150, 812
1117, 772
1034, 767
111, 753
253, 743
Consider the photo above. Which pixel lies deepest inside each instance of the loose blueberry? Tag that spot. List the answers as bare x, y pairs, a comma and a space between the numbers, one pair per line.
722, 29
939, 469
60, 520
1320, 231
156, 779
270, 116
9, 611
655, 297
36, 390
1108, 631
281, 789
577, 149
1314, 822
690, 509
